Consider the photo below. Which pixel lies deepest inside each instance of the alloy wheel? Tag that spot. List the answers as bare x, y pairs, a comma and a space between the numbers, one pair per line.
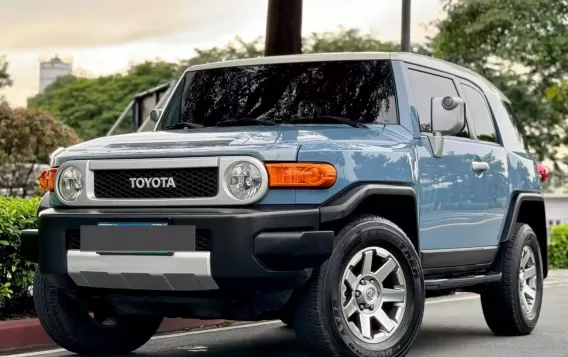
373, 294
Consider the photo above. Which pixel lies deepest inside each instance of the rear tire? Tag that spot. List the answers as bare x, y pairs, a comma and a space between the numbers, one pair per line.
71, 326
512, 307
368, 298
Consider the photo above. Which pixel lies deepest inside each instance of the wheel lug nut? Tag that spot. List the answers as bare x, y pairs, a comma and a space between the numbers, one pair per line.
363, 282
357, 293
372, 307
362, 307
372, 280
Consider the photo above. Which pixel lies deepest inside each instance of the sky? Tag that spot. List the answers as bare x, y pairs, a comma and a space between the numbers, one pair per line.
107, 36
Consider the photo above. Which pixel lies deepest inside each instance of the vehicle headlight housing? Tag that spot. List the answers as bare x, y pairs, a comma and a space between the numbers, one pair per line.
70, 183
243, 180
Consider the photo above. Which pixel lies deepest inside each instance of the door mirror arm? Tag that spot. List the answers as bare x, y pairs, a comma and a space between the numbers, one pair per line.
437, 144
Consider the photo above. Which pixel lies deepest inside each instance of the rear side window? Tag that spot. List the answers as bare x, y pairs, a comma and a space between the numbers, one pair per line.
480, 113
508, 125
426, 86
516, 125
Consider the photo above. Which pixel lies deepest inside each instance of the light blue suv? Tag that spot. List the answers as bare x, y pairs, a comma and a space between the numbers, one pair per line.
331, 191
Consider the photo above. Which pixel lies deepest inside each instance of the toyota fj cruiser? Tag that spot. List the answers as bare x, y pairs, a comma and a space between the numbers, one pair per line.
331, 191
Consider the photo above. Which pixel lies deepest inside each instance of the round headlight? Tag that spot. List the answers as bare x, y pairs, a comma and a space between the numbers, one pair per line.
70, 183
243, 179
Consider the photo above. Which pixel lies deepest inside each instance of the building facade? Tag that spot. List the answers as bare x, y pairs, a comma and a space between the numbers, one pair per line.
50, 70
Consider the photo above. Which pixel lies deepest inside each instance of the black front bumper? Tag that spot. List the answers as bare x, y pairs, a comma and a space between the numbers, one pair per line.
264, 249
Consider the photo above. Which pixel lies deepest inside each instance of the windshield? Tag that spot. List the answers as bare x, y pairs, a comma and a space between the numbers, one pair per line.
362, 91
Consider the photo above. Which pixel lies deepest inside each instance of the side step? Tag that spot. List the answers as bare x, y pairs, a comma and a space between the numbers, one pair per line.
463, 281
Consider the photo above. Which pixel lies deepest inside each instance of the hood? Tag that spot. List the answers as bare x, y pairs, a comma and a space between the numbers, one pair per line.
266, 143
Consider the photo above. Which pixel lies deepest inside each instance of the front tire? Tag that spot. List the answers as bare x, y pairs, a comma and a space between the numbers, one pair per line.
512, 307
368, 298
71, 326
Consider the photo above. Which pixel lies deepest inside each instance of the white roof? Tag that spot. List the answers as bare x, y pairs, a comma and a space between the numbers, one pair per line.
416, 59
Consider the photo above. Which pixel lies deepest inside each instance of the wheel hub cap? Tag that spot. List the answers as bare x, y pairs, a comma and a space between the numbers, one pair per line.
373, 294
528, 281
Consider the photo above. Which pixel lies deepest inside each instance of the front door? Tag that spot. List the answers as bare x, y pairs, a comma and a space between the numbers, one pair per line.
462, 193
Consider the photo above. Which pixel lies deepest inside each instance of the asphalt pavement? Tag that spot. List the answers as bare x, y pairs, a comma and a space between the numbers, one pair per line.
453, 326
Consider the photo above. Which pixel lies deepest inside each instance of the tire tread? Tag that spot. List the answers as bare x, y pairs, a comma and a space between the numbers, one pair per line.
59, 325
308, 314
499, 301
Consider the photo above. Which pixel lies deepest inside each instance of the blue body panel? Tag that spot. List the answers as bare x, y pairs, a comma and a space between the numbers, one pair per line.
385, 155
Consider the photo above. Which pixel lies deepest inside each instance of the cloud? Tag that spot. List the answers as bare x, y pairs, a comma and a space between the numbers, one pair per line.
71, 24
32, 24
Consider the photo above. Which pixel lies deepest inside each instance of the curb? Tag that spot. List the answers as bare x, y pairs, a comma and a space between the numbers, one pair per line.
28, 334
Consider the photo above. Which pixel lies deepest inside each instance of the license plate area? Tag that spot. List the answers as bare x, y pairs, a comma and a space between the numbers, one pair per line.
147, 238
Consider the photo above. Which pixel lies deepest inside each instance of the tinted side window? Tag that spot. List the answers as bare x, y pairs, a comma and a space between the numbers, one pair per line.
426, 86
481, 116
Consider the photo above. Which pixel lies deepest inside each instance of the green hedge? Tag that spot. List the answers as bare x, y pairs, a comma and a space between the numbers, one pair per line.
558, 254
16, 275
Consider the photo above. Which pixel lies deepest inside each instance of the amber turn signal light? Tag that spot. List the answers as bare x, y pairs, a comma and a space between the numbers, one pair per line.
47, 179
301, 175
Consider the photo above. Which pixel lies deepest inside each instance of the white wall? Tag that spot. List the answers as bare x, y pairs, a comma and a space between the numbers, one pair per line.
556, 206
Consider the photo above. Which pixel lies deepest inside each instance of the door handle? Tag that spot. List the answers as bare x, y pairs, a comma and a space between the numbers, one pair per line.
479, 166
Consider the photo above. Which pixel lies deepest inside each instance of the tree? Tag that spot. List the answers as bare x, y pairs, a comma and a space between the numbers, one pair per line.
519, 46
91, 106
27, 138
5, 80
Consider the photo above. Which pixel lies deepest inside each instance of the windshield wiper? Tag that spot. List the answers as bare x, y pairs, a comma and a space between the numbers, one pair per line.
245, 121
328, 119
183, 125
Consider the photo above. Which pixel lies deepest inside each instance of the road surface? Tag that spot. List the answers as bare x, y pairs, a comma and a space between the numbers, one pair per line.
453, 326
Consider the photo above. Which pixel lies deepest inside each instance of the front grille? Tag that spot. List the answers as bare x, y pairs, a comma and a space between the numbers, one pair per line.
198, 182
202, 240
73, 237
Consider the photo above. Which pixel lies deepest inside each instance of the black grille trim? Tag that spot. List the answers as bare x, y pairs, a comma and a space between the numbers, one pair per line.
196, 182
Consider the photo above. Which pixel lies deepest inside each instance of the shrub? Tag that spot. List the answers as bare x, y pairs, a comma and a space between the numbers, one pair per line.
16, 274
27, 138
558, 251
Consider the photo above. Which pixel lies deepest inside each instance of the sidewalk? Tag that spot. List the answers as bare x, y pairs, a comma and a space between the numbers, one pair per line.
556, 277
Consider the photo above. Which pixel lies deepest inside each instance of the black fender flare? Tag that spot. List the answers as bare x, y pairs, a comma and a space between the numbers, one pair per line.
344, 203
514, 210
540, 228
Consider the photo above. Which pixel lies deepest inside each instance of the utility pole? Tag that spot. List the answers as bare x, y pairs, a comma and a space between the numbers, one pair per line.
405, 28
283, 28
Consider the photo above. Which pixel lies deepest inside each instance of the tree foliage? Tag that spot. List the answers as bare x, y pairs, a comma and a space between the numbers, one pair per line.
5, 80
90, 106
521, 47
27, 138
